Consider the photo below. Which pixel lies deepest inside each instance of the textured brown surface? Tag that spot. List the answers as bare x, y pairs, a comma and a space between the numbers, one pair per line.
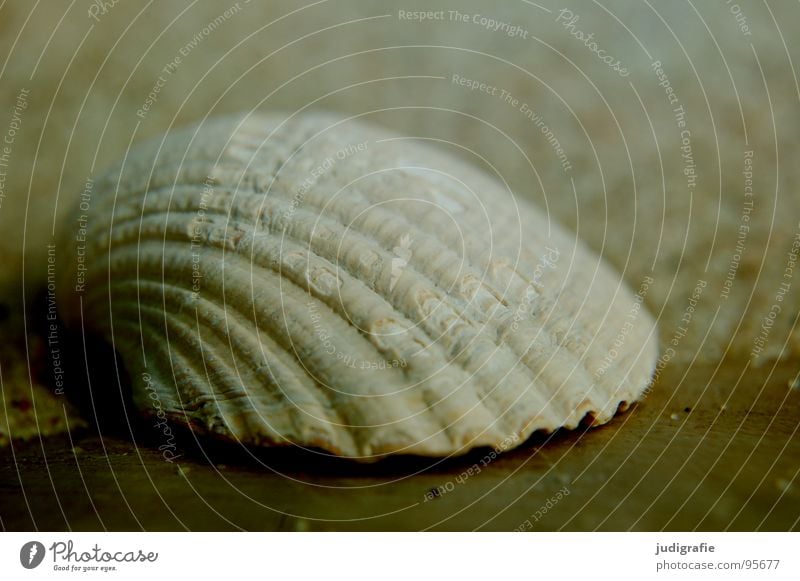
708, 450
29, 408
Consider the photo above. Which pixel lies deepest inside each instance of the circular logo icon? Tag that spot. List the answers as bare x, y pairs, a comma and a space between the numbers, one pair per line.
31, 554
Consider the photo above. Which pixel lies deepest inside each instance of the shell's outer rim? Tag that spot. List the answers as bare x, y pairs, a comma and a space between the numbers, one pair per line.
329, 449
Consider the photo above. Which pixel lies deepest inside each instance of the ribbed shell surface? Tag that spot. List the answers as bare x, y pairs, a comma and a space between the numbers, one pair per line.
317, 281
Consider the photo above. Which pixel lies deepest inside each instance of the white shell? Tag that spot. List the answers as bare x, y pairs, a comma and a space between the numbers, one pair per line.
321, 282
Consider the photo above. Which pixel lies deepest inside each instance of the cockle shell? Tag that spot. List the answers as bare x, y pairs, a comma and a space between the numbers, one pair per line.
320, 282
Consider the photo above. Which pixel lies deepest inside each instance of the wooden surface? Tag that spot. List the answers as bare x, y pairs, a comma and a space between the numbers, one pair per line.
709, 449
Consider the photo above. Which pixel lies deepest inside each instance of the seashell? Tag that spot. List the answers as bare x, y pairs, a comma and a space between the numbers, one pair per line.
321, 282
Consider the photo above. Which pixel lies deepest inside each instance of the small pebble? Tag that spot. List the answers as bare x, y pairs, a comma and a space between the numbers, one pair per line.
674, 417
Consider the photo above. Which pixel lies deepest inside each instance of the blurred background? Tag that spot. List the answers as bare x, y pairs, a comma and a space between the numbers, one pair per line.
664, 134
